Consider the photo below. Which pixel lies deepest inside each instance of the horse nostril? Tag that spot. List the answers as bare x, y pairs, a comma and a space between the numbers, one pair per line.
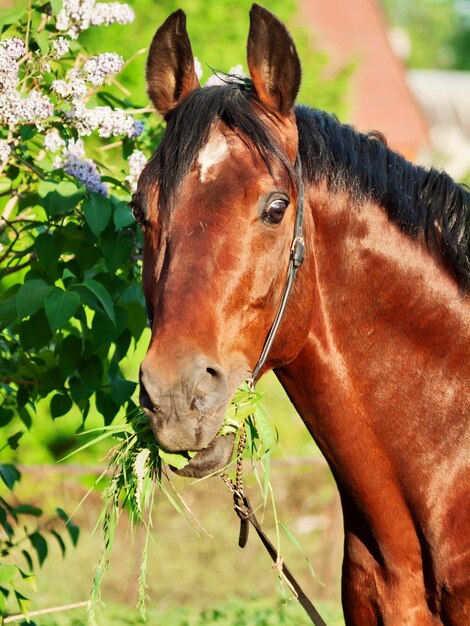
210, 389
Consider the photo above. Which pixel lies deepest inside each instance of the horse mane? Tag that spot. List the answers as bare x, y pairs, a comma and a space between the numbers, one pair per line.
423, 202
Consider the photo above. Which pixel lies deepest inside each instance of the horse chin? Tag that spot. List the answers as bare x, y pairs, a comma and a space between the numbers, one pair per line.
209, 460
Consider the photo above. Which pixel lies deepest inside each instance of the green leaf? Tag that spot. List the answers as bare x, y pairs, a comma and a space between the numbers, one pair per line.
23, 603
175, 460
14, 439
117, 249
60, 405
56, 6
61, 198
9, 474
22, 397
25, 417
122, 345
28, 509
69, 354
122, 215
35, 332
97, 211
102, 331
106, 406
79, 391
6, 415
43, 40
40, 546
137, 319
28, 578
73, 529
4, 522
28, 559
8, 311
30, 297
6, 573
11, 16
48, 248
266, 432
121, 390
91, 371
60, 541
51, 379
102, 295
60, 306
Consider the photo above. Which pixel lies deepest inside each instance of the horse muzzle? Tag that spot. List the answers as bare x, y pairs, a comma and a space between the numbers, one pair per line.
186, 406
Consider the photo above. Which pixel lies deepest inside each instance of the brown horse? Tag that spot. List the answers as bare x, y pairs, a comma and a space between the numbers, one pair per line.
374, 347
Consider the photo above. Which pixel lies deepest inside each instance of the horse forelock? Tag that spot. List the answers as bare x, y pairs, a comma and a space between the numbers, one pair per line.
189, 129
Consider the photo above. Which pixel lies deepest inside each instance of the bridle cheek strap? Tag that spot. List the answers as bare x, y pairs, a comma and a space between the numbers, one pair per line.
297, 255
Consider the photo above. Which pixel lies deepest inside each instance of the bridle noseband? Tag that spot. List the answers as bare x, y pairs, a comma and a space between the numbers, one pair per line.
297, 255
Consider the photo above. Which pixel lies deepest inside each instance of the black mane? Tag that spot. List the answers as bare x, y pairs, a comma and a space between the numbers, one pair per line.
423, 202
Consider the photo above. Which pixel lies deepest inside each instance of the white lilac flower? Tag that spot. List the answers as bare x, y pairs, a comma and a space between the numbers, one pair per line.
198, 68
5, 151
76, 147
37, 106
34, 108
10, 51
53, 142
61, 88
74, 16
75, 86
137, 162
76, 164
78, 15
107, 121
8, 74
222, 79
112, 12
13, 48
61, 47
98, 67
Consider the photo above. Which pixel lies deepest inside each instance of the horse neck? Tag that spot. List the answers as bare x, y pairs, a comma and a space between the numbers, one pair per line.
383, 373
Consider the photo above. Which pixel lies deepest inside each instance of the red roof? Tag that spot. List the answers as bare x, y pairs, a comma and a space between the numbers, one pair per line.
379, 97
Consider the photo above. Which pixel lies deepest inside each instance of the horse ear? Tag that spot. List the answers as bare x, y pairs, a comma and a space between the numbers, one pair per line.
170, 64
273, 61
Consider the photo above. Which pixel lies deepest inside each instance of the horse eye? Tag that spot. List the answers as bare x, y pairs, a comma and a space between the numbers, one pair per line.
275, 211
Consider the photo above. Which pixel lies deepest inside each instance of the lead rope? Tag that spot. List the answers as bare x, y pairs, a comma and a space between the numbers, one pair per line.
243, 509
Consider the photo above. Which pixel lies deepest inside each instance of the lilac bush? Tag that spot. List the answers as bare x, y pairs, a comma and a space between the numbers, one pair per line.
71, 151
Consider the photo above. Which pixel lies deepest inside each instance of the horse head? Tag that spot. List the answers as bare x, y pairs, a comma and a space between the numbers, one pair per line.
216, 204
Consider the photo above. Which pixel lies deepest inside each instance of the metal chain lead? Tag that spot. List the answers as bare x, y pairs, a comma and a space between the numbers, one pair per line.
237, 487
239, 470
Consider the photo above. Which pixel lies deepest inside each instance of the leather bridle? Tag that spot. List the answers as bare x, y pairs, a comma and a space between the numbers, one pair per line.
297, 255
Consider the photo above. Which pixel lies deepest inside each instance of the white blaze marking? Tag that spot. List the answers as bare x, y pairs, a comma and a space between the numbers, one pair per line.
212, 153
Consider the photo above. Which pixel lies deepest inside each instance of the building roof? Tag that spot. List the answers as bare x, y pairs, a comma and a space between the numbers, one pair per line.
379, 97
